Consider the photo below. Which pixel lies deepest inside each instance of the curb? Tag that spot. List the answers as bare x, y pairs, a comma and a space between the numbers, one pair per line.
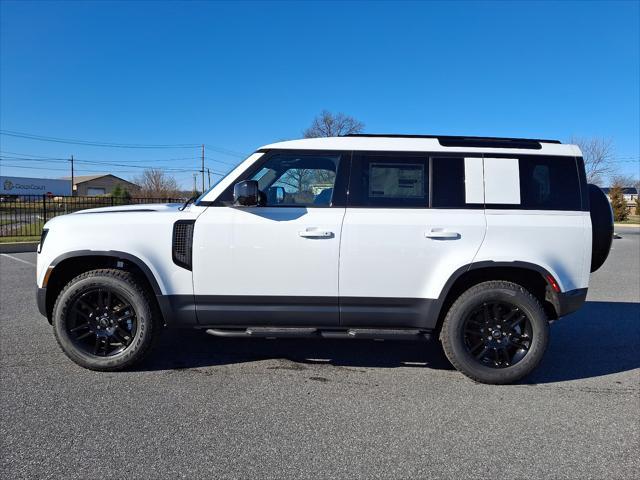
18, 247
632, 225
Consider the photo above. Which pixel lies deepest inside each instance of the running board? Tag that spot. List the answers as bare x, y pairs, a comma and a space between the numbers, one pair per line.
301, 332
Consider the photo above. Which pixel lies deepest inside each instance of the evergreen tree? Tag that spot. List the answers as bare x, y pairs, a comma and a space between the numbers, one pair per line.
618, 203
120, 195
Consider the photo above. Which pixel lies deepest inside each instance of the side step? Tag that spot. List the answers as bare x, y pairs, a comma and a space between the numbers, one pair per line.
301, 332
264, 332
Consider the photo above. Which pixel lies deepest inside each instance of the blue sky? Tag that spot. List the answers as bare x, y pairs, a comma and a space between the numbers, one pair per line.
238, 75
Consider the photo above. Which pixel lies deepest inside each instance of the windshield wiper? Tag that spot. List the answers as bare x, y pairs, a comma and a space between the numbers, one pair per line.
190, 200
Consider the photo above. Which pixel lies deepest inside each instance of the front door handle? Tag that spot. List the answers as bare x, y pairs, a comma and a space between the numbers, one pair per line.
439, 233
312, 233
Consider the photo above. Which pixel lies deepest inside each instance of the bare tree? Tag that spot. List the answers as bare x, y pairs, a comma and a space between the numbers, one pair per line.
154, 183
598, 154
328, 124
625, 181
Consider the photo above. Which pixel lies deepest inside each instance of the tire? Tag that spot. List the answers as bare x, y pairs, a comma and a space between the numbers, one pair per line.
103, 320
488, 309
601, 226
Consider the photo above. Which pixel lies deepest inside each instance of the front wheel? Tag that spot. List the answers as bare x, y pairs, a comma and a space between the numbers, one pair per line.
495, 332
103, 320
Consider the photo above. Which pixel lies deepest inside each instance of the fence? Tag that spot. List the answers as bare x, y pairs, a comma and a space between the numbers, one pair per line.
24, 215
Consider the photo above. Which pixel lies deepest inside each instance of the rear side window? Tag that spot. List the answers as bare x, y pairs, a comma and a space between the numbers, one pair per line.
389, 180
549, 183
447, 182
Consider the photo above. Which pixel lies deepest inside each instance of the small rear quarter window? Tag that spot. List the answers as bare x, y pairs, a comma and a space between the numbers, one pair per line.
549, 183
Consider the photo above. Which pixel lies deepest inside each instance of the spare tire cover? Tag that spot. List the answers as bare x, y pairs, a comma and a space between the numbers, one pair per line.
601, 226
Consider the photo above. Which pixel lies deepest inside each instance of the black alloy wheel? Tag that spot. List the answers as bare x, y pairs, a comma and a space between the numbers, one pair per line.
101, 322
105, 319
497, 334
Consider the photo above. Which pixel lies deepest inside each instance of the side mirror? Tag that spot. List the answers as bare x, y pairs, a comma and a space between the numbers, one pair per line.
246, 194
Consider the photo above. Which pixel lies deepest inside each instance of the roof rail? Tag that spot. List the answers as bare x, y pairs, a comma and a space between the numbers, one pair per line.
461, 141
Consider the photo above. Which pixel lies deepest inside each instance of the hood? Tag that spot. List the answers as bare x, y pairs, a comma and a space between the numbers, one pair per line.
150, 207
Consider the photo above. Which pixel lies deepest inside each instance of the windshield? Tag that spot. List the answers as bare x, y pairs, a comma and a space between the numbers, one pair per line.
254, 156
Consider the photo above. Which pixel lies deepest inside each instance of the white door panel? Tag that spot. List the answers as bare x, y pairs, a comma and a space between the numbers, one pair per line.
267, 251
406, 253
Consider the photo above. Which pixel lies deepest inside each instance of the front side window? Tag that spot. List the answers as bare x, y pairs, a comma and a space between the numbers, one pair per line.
291, 180
389, 180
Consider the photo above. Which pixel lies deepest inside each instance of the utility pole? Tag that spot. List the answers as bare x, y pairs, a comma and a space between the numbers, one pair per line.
72, 176
209, 175
195, 185
203, 168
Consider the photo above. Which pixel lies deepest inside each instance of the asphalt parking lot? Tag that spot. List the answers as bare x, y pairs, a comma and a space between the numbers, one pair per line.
207, 407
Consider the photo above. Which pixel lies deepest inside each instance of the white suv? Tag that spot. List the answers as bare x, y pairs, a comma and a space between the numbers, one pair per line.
479, 242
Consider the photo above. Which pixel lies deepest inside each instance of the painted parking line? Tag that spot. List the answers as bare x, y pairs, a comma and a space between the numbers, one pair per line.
17, 259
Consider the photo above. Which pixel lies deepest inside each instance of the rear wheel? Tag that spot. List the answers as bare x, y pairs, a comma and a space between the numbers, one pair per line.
496, 332
103, 320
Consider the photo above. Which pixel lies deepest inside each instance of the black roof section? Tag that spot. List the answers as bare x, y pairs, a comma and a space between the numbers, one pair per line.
461, 141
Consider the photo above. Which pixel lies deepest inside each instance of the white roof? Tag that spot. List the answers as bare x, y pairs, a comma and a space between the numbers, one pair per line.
413, 144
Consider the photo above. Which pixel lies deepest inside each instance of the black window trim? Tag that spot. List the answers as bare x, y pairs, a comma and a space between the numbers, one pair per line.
462, 155
388, 153
338, 198
344, 180
428, 156
584, 206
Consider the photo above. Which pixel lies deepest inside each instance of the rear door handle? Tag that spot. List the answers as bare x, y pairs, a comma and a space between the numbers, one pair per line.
311, 233
439, 233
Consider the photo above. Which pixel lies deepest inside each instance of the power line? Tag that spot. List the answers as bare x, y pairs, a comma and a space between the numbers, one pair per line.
93, 143
31, 155
33, 168
103, 163
226, 151
71, 141
171, 171
91, 171
233, 164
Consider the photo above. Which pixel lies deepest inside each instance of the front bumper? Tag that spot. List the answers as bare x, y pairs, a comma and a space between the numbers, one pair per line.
41, 300
568, 302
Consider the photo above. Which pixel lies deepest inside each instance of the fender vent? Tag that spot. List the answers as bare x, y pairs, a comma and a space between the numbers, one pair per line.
182, 243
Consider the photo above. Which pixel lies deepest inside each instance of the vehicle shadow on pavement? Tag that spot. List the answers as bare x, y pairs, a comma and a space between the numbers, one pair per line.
600, 339
190, 349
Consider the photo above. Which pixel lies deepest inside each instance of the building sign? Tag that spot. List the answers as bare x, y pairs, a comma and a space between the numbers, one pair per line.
33, 186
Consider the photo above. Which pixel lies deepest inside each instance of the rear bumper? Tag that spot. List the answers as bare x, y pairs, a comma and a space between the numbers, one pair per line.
568, 302
41, 300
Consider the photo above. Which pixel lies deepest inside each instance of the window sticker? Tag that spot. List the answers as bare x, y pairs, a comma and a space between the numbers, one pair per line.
501, 181
474, 180
393, 180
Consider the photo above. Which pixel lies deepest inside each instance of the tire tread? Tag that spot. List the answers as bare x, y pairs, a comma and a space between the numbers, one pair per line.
134, 353
498, 376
